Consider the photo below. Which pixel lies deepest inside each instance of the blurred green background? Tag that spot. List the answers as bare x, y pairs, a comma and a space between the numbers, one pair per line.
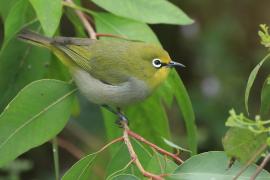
219, 49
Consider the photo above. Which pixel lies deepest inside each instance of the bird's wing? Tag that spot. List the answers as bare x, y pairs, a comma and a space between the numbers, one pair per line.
102, 68
76, 49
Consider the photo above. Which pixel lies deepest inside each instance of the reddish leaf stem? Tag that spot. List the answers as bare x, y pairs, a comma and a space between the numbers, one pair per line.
134, 157
251, 160
90, 30
260, 168
160, 150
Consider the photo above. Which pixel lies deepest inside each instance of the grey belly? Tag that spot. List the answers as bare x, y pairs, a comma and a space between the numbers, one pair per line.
126, 93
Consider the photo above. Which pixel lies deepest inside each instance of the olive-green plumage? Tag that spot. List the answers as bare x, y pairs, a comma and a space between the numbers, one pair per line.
112, 66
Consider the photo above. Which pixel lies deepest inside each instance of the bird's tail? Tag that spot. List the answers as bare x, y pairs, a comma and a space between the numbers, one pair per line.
35, 38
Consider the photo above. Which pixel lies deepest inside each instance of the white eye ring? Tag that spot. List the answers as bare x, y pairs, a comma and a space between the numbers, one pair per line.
156, 63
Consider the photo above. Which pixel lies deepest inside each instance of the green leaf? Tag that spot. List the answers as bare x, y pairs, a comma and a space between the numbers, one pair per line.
121, 159
161, 164
186, 108
49, 14
5, 7
242, 143
110, 24
14, 54
32, 67
265, 99
74, 19
118, 162
34, 116
17, 18
251, 79
264, 35
157, 11
173, 145
125, 177
81, 169
213, 165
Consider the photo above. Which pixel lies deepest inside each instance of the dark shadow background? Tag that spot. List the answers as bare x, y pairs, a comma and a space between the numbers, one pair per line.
220, 49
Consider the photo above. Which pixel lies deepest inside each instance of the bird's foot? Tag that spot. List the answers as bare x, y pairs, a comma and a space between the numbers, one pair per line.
122, 120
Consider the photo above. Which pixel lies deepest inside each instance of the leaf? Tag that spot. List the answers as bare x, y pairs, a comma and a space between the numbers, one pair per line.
32, 67
161, 164
14, 53
74, 19
49, 14
186, 108
110, 24
173, 145
157, 11
118, 162
213, 165
264, 35
242, 143
5, 7
34, 116
121, 159
81, 169
125, 177
251, 79
265, 99
17, 18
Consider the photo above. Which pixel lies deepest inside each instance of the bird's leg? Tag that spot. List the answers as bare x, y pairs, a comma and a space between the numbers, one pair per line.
122, 118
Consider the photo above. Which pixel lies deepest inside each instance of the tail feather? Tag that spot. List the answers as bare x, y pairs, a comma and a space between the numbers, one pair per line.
35, 38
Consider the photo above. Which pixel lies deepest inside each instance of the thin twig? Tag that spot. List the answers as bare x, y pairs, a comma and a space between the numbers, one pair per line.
251, 160
71, 148
134, 157
90, 30
160, 150
55, 158
260, 168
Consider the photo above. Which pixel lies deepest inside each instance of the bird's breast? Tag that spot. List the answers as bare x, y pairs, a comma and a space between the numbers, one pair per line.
119, 95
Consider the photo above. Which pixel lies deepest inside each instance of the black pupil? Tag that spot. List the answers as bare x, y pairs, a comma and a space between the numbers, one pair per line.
157, 62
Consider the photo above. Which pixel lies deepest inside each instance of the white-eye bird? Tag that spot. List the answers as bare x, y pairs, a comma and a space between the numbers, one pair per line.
111, 72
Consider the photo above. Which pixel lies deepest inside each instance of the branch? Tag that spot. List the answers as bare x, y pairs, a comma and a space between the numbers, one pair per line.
56, 158
260, 168
71, 148
251, 160
90, 30
160, 150
134, 157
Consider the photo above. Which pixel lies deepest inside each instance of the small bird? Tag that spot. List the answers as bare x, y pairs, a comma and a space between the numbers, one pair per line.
113, 72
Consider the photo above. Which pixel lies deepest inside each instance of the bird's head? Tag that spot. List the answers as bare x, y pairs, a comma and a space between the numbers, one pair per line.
157, 64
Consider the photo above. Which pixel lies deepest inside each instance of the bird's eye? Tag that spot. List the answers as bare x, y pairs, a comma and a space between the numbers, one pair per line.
156, 63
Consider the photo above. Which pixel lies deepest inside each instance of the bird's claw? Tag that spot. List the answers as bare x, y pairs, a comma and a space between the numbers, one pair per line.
122, 120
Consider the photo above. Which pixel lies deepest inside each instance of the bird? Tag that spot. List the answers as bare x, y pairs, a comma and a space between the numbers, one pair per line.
112, 72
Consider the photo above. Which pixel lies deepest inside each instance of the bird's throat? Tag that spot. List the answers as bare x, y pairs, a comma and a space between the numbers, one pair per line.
159, 77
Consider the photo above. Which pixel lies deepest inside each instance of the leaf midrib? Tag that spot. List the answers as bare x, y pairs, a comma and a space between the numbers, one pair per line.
36, 116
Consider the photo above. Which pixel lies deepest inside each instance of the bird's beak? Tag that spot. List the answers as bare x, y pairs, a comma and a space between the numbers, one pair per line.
173, 64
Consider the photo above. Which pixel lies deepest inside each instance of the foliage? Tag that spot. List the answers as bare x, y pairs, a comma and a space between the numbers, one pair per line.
247, 137
212, 165
34, 109
35, 105
264, 35
21, 120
